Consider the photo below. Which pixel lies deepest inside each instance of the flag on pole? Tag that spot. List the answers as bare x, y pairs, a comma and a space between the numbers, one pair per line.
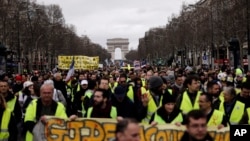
71, 70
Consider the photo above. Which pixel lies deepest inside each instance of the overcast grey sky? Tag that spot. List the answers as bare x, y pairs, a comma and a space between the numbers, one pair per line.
105, 19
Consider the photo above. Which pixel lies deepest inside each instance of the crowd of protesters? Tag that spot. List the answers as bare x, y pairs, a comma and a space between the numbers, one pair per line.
146, 96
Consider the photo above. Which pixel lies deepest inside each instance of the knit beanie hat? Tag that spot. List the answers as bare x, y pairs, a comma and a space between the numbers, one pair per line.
155, 81
167, 99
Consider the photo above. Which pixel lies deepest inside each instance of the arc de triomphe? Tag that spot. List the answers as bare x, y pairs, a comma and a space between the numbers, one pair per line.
121, 43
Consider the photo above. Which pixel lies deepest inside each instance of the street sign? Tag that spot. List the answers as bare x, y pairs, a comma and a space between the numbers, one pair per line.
204, 57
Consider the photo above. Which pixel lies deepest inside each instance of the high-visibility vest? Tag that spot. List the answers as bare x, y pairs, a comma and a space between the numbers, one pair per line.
237, 113
88, 94
186, 104
113, 112
130, 93
248, 113
238, 90
152, 107
11, 104
113, 88
30, 115
216, 118
177, 119
4, 132
221, 97
143, 81
78, 88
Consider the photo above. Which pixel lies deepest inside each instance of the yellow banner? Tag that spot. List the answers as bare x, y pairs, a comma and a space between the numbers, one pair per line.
81, 62
103, 130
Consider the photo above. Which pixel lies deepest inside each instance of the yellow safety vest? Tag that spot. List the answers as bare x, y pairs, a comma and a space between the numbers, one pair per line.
152, 107
113, 112
88, 94
237, 113
11, 104
130, 93
4, 132
216, 118
113, 88
143, 81
238, 90
30, 115
186, 104
221, 97
248, 113
177, 119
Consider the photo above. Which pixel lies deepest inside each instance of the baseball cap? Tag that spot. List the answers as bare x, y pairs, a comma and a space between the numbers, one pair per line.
84, 82
27, 84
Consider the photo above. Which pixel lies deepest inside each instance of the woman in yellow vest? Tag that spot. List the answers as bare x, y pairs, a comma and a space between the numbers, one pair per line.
8, 128
167, 113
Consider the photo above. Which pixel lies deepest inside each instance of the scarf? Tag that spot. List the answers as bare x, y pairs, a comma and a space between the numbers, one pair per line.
98, 112
178, 86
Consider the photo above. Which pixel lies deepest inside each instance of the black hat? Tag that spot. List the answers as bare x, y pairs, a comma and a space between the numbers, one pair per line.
34, 78
120, 91
167, 98
155, 81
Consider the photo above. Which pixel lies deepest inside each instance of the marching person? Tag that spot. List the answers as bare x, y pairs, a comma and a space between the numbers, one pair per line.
8, 124
102, 107
189, 99
39, 108
214, 116
11, 100
124, 106
168, 113
196, 125
127, 130
232, 108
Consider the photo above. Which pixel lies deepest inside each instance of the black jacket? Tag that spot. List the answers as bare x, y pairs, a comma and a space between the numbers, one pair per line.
125, 108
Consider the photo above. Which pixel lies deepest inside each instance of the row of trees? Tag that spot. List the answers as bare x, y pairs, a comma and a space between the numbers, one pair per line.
38, 34
205, 27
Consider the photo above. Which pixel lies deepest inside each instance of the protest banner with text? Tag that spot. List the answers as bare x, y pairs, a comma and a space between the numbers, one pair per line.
81, 62
103, 130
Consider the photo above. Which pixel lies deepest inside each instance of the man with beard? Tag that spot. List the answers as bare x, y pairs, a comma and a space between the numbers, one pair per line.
102, 107
189, 99
213, 88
